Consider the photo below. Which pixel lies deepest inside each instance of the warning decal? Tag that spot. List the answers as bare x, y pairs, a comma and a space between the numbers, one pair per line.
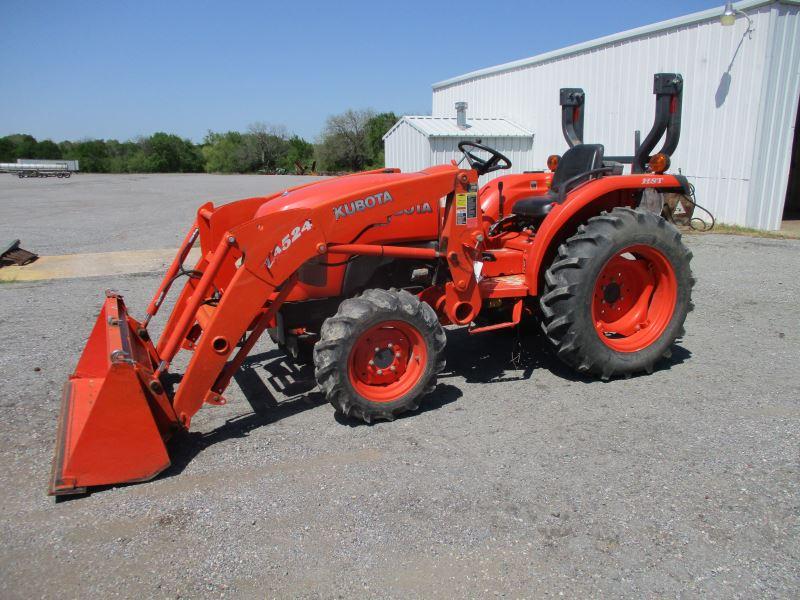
472, 209
461, 209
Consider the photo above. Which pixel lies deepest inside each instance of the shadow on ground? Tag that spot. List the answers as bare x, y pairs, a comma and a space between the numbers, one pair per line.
513, 355
277, 388
492, 358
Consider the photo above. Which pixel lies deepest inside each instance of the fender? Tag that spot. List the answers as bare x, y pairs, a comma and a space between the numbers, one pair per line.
515, 187
580, 199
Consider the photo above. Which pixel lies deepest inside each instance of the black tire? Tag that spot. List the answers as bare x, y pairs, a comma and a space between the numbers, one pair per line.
566, 302
355, 317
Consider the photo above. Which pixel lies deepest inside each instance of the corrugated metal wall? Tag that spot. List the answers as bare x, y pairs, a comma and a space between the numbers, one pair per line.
410, 150
724, 95
518, 150
407, 149
775, 130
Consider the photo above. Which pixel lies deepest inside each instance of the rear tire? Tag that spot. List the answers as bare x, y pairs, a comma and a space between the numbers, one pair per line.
617, 294
379, 354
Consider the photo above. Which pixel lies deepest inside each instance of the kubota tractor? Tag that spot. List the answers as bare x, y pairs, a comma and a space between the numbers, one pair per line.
363, 272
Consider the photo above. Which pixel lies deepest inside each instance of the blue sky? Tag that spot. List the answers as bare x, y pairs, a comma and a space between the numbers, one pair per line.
114, 69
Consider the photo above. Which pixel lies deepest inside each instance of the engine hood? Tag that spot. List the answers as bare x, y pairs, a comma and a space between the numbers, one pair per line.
345, 188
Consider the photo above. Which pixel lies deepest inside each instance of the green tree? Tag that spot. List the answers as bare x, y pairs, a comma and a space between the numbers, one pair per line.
120, 155
344, 144
7, 150
264, 148
24, 145
92, 154
47, 149
166, 153
227, 153
298, 151
67, 148
269, 145
377, 127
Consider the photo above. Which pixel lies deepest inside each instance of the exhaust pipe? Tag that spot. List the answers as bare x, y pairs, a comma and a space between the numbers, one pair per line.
461, 115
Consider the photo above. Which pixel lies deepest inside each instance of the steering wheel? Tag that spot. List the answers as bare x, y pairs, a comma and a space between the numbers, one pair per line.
495, 162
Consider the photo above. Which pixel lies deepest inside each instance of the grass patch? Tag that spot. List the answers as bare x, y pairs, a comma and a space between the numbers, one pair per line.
749, 232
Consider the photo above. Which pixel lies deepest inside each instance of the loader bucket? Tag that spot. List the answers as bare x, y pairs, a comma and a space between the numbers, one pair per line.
115, 417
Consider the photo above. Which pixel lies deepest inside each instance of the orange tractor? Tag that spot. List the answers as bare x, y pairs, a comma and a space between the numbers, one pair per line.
362, 273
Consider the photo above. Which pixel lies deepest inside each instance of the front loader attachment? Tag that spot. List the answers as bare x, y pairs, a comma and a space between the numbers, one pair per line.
115, 416
116, 413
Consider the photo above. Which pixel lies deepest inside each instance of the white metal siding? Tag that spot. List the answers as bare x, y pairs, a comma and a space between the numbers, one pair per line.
719, 134
518, 150
407, 149
448, 127
410, 150
775, 131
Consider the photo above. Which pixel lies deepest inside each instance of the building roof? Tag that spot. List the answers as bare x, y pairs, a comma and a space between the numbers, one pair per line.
447, 127
705, 15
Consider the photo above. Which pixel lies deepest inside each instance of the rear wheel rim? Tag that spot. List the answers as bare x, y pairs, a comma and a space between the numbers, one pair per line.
387, 361
634, 298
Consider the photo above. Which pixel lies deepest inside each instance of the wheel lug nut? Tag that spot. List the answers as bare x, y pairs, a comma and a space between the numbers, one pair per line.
377, 349
390, 346
393, 368
371, 363
380, 371
397, 355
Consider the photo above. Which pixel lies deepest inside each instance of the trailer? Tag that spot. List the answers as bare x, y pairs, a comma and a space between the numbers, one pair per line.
27, 167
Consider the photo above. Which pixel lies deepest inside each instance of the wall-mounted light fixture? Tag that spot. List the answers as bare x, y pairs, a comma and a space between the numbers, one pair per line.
728, 17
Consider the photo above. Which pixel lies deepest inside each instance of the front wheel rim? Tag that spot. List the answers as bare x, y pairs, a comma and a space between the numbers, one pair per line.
387, 361
634, 298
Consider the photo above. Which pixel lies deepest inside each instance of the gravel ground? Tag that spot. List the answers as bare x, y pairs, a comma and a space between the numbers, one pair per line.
102, 213
515, 480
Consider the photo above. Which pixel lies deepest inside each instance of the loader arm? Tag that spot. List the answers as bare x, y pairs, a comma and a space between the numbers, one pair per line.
279, 238
273, 245
251, 251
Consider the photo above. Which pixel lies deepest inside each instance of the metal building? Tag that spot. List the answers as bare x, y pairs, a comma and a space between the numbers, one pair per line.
740, 101
416, 142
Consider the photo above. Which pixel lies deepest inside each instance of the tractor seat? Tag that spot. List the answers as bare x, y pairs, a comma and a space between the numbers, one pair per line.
535, 206
579, 159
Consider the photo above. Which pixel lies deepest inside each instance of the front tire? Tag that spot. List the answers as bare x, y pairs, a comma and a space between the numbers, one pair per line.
617, 294
379, 354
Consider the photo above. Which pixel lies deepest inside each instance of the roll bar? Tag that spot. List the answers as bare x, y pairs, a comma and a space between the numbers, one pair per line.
668, 89
572, 115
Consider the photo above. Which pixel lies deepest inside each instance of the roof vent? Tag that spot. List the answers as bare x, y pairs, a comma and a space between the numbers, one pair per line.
461, 115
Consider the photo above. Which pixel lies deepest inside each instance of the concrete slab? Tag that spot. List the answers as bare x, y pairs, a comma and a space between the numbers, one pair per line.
95, 264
